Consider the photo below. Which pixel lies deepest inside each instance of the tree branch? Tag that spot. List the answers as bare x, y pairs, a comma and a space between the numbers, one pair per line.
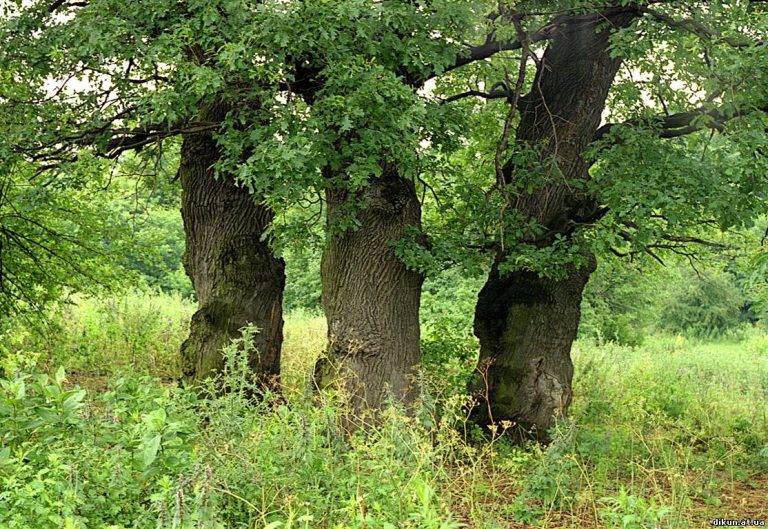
491, 46
682, 123
493, 94
57, 4
698, 28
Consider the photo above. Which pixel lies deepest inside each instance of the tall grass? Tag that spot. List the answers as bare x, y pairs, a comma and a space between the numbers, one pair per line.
670, 434
140, 332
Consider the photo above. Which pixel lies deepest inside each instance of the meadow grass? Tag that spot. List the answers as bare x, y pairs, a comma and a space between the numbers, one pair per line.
670, 434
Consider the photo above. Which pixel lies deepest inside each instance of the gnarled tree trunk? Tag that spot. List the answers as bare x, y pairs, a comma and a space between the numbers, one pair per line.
371, 299
526, 324
236, 277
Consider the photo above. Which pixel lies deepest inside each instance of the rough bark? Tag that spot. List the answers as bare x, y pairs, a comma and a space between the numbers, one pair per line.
236, 277
371, 299
526, 324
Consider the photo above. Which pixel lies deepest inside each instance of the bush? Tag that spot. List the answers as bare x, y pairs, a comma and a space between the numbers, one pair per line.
619, 303
145, 455
624, 303
449, 346
140, 331
704, 306
70, 462
303, 287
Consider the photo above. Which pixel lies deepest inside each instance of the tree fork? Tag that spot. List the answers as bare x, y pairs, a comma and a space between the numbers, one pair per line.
236, 277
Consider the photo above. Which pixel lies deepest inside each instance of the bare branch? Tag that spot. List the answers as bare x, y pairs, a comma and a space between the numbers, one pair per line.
493, 94
58, 4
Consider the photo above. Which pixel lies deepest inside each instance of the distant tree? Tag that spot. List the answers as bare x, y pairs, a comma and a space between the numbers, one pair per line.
52, 242
706, 306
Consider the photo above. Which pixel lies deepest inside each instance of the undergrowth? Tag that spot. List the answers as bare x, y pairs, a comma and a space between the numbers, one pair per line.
94, 432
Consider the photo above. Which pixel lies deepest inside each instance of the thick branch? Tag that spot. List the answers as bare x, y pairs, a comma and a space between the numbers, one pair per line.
495, 93
58, 4
491, 46
135, 139
120, 141
682, 123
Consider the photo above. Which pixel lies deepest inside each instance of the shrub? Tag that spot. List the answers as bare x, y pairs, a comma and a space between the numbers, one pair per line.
145, 455
449, 346
303, 287
619, 303
704, 306
140, 331
69, 462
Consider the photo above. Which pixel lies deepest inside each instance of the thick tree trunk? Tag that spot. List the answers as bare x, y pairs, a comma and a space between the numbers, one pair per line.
371, 299
236, 277
526, 324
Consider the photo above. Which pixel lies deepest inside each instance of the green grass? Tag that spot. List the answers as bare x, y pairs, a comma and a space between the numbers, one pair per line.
670, 434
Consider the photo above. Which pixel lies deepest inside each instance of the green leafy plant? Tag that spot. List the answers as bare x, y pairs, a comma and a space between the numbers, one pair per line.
625, 511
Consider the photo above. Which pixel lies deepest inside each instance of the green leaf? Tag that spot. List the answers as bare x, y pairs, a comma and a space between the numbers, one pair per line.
155, 419
74, 401
149, 449
21, 390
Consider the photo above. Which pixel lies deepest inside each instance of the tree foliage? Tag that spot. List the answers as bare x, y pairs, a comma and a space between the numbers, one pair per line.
681, 151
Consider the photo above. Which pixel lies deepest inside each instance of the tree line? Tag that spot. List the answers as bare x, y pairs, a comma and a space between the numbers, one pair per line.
526, 138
